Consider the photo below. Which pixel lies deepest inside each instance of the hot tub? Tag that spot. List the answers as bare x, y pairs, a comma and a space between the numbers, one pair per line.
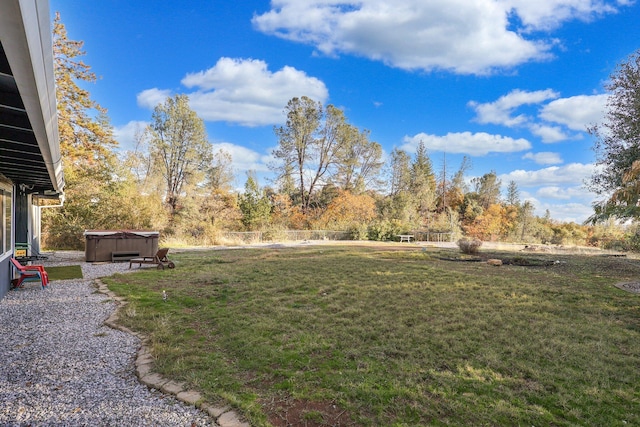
114, 245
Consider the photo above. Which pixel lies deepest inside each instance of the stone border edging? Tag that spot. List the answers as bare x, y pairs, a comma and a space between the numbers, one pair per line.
223, 416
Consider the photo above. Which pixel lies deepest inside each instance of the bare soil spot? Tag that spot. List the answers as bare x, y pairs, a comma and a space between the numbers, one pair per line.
289, 412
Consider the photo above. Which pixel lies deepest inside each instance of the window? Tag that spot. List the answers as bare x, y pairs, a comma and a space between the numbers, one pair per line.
5, 220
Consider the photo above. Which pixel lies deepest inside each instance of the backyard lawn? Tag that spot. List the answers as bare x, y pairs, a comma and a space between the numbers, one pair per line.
394, 335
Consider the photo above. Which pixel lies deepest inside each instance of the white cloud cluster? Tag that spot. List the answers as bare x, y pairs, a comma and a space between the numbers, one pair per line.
242, 91
242, 158
576, 112
559, 189
544, 158
475, 144
549, 14
149, 98
464, 36
571, 174
555, 121
501, 111
126, 135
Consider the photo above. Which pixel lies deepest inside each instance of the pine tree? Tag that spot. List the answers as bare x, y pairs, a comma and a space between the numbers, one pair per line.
423, 183
86, 136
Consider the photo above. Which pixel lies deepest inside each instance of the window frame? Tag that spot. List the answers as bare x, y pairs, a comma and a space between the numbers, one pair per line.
7, 215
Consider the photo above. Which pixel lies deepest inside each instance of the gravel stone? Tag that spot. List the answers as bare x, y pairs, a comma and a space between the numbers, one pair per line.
61, 366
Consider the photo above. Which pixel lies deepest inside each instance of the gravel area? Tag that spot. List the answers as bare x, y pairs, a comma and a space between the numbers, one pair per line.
60, 366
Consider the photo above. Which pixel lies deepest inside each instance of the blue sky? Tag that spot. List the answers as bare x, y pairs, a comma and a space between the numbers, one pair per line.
511, 83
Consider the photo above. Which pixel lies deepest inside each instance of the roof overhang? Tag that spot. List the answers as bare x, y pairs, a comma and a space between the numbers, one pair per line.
29, 144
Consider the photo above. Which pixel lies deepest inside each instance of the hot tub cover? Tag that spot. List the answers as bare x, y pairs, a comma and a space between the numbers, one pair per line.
119, 234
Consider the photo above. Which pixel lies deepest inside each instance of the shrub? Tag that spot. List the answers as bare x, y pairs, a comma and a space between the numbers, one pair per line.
386, 230
469, 247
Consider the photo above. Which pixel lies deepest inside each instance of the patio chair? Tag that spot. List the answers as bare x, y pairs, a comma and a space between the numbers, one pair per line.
160, 259
29, 273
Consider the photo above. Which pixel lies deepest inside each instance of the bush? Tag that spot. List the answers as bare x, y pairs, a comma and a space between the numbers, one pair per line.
358, 232
386, 230
469, 247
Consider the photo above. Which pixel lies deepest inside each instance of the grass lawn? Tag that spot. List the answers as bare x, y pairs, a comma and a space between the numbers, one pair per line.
64, 272
396, 336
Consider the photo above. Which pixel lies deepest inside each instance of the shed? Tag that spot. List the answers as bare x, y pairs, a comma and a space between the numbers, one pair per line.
119, 245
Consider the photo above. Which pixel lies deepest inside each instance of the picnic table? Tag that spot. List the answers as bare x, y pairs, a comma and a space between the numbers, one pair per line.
405, 237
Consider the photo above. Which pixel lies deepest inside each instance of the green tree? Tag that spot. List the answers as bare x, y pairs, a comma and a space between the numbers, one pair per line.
400, 179
526, 219
423, 183
179, 148
254, 204
617, 145
487, 187
513, 194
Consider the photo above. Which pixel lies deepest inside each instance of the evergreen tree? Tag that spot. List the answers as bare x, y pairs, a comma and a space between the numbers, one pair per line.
254, 204
513, 194
400, 180
423, 183
487, 187
86, 137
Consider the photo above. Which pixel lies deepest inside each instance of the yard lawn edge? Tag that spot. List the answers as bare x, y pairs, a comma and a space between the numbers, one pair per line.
223, 416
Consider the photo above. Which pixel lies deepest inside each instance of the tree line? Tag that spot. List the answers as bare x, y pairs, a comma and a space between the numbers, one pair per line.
328, 175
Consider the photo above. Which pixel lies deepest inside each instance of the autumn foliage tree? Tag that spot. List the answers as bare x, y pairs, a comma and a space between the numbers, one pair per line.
347, 210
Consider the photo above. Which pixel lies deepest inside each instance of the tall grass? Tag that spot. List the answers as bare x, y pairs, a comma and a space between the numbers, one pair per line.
376, 337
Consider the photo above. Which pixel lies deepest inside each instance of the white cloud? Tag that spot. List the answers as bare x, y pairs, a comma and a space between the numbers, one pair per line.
150, 98
243, 91
563, 193
475, 144
554, 122
566, 212
500, 112
576, 112
242, 158
549, 14
571, 174
464, 36
544, 158
549, 134
126, 135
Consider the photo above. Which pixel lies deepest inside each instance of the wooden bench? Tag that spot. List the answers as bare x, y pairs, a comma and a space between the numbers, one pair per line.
405, 237
124, 255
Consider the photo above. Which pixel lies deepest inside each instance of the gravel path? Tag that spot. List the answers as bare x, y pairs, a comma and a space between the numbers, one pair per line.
60, 366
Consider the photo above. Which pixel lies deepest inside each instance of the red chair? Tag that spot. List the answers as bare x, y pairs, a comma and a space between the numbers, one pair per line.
30, 273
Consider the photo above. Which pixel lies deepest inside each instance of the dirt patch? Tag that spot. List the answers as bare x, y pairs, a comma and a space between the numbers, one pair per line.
289, 412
